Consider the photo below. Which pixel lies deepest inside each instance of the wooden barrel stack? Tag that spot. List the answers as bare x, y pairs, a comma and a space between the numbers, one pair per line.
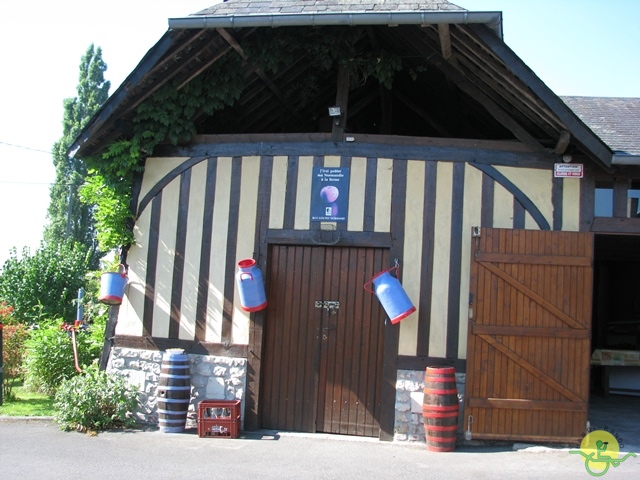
174, 391
440, 408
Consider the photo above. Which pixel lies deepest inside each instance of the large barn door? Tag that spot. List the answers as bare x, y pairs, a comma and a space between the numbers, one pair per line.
323, 341
529, 335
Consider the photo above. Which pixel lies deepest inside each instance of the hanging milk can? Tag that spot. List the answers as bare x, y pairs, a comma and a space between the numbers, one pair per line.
112, 286
250, 286
392, 296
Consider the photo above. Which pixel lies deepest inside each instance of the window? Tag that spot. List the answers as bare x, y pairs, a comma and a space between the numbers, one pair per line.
604, 199
633, 197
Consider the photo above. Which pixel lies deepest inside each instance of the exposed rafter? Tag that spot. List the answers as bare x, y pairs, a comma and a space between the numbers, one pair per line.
497, 112
265, 78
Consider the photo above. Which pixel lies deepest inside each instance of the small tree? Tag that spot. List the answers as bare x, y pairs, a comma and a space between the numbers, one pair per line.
69, 219
45, 284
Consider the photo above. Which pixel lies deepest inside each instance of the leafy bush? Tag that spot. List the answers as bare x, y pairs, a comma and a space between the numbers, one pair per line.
14, 337
45, 284
49, 357
95, 401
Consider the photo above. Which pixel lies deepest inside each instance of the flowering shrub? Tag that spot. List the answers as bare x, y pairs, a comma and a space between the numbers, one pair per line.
14, 337
49, 358
6, 311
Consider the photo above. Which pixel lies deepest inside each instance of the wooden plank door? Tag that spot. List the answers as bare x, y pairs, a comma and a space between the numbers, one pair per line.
529, 335
323, 341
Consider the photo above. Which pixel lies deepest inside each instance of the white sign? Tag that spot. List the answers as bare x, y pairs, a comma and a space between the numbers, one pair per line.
573, 170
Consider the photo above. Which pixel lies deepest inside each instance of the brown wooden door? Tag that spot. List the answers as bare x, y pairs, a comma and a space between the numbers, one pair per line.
529, 335
323, 341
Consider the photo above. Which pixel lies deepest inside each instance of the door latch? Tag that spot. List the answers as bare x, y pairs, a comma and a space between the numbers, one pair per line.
331, 306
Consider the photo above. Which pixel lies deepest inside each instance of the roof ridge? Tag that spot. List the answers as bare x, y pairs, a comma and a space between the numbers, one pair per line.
248, 7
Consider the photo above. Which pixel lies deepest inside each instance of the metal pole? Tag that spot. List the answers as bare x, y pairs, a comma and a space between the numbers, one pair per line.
80, 307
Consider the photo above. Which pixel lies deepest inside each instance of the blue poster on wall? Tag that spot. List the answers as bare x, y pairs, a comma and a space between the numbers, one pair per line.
329, 194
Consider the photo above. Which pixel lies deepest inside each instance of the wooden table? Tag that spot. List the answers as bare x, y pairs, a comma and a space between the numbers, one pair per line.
614, 358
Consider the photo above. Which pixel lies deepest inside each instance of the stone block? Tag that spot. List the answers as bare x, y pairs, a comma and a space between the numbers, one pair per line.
117, 363
403, 397
417, 399
130, 353
204, 368
216, 388
233, 381
219, 371
198, 380
402, 417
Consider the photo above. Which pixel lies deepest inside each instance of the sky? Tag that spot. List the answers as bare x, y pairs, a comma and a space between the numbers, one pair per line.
577, 47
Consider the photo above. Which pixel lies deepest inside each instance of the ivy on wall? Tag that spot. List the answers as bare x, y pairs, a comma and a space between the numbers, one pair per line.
170, 115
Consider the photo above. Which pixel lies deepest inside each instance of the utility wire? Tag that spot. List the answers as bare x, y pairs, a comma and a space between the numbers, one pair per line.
26, 148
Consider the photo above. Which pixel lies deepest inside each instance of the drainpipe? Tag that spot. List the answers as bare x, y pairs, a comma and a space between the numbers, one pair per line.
492, 19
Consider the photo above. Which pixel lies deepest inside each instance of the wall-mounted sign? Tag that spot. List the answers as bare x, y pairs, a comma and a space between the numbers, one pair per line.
572, 170
329, 194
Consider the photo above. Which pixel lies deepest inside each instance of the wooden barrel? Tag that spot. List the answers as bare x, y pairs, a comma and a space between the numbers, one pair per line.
174, 392
440, 408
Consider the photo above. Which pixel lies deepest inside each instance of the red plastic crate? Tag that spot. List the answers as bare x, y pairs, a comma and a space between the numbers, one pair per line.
219, 418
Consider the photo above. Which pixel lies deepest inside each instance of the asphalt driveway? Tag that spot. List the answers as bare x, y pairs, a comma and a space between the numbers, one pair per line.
39, 450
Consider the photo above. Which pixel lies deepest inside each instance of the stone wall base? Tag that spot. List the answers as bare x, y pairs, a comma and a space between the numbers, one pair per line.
212, 378
224, 378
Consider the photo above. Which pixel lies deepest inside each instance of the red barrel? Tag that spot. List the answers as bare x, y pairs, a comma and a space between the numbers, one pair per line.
440, 408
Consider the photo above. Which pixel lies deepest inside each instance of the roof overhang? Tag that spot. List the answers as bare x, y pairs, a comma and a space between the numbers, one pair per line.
625, 159
492, 19
529, 90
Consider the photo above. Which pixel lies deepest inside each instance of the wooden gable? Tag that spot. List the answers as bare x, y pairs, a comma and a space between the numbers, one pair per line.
455, 79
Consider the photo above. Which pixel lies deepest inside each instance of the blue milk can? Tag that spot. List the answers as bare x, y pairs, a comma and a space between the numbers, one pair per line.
250, 286
394, 299
112, 286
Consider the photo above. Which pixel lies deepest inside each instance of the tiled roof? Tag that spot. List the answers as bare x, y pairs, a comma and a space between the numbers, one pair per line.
615, 120
247, 7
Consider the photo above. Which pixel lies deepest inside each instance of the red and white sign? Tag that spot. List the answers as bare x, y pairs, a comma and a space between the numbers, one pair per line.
572, 170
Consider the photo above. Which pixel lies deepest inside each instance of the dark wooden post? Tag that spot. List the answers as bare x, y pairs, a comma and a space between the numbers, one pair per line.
342, 100
109, 333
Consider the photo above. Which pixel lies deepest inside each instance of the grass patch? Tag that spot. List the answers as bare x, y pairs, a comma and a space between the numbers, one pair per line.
27, 404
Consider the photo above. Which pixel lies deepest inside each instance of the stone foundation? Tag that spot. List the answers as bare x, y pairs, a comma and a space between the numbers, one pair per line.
224, 378
409, 423
212, 377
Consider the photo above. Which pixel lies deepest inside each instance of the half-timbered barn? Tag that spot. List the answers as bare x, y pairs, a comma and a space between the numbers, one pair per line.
453, 161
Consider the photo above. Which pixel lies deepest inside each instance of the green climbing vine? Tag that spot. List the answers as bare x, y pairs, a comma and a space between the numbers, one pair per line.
169, 116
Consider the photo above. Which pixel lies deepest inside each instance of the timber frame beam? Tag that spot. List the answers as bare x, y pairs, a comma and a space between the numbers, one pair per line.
496, 111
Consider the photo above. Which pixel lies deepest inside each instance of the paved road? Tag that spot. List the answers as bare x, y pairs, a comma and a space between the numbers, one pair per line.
39, 450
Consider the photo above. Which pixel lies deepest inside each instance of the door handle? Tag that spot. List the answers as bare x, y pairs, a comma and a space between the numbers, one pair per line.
325, 332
